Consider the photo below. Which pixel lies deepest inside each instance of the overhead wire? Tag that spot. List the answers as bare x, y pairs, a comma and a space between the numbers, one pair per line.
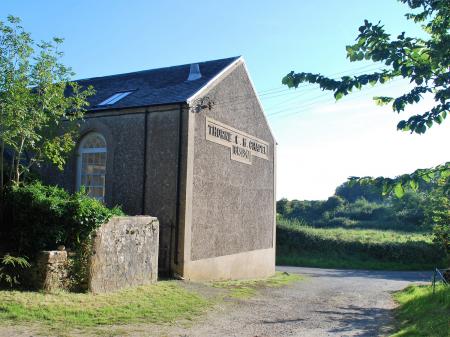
286, 92
367, 66
301, 108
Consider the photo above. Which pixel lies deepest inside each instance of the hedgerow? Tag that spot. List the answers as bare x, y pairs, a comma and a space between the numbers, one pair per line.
414, 249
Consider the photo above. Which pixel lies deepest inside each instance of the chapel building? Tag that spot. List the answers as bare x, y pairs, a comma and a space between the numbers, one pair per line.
191, 145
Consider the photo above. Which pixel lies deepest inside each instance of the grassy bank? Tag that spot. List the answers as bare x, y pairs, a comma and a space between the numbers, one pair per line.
420, 313
164, 302
160, 303
301, 245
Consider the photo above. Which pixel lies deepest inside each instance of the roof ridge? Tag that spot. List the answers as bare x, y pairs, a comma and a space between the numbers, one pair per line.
148, 70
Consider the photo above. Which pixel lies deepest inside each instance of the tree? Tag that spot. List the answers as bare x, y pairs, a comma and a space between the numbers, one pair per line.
437, 213
283, 207
352, 192
333, 203
39, 106
424, 62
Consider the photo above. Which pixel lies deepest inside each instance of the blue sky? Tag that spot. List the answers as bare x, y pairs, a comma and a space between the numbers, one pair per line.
321, 142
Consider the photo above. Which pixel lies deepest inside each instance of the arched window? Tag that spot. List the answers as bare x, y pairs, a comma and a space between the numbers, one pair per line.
92, 165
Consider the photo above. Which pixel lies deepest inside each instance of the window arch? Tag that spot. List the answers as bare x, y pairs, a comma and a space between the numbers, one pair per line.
91, 166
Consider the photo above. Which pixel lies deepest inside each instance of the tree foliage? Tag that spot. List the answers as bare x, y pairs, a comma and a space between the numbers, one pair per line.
438, 214
38, 118
424, 62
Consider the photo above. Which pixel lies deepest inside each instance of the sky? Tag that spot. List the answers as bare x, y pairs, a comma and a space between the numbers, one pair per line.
320, 142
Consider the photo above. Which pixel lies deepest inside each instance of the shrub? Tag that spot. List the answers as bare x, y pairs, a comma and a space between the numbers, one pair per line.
333, 203
10, 267
336, 222
361, 209
39, 217
410, 209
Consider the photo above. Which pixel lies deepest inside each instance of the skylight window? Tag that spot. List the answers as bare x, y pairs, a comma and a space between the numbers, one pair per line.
115, 98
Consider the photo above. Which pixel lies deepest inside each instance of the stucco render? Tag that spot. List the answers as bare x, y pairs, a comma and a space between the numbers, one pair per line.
161, 178
124, 136
253, 264
229, 226
124, 132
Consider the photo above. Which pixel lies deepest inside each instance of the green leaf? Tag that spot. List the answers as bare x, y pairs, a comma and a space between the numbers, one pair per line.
382, 100
338, 95
399, 191
414, 185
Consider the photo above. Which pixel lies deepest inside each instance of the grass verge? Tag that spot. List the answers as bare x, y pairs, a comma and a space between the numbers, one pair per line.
420, 313
247, 288
163, 302
110, 314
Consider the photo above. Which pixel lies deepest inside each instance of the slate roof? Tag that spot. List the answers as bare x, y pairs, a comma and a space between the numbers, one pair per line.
152, 87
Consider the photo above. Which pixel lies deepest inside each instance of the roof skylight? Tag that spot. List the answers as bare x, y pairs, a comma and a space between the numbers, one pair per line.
115, 98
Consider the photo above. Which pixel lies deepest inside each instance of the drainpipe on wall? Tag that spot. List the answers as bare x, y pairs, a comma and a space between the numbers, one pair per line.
178, 191
144, 178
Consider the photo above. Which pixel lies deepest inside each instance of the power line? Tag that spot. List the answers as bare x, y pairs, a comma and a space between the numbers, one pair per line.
353, 74
358, 69
313, 102
281, 93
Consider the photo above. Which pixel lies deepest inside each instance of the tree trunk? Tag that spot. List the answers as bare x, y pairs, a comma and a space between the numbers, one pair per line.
18, 159
11, 171
17, 173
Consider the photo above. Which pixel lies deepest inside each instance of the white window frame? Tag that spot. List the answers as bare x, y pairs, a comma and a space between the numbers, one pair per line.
82, 150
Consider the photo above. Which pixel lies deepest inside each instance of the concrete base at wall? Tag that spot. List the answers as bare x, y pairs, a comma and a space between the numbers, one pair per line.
253, 264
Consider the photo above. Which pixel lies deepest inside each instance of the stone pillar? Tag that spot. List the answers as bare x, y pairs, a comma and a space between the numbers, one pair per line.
124, 254
51, 270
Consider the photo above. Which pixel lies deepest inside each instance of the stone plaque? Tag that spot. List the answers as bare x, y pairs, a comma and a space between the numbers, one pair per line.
242, 145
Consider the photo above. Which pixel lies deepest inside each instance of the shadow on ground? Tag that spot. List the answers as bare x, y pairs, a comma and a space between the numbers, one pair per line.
409, 276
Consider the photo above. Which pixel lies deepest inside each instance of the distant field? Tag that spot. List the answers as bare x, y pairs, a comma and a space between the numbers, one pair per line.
300, 245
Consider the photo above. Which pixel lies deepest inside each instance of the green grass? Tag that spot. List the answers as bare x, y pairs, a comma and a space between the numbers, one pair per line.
111, 314
300, 245
360, 235
343, 261
420, 313
247, 288
164, 302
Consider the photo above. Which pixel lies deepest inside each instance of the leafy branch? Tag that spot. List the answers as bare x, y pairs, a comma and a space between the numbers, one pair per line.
398, 185
40, 107
424, 62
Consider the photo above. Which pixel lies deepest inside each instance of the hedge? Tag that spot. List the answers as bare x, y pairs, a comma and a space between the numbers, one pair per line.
38, 217
299, 240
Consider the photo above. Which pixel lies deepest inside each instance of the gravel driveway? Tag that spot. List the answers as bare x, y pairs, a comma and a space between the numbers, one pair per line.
328, 302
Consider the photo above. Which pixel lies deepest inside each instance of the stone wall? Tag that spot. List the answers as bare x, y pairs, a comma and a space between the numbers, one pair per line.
49, 272
125, 254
